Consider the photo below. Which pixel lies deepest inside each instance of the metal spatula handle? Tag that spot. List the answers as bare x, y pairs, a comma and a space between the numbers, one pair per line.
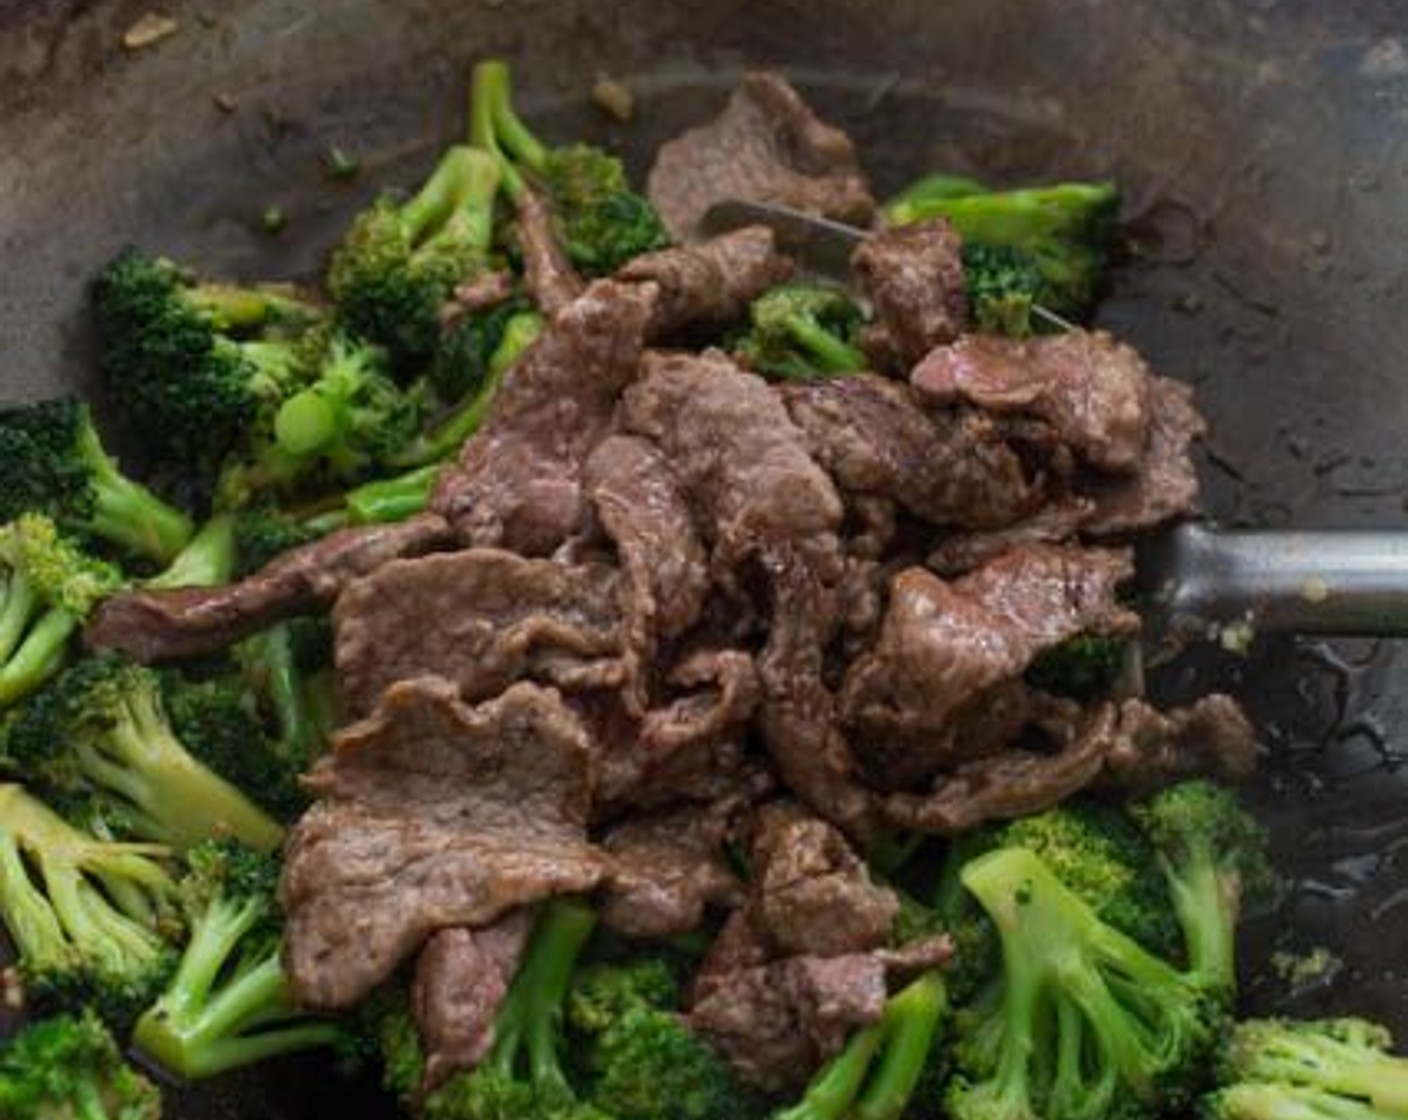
1348, 582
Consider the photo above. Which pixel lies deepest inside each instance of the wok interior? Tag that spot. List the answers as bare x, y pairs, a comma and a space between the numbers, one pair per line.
1257, 143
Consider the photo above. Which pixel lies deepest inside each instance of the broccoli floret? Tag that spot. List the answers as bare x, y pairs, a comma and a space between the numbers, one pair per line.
876, 1075
47, 587
461, 364
800, 331
908, 205
1089, 1024
55, 464
1215, 856
523, 1077
1004, 285
84, 914
194, 364
601, 222
101, 729
400, 262
228, 1004
206, 561
1066, 229
1275, 1068
1083, 668
263, 533
69, 1068
601, 993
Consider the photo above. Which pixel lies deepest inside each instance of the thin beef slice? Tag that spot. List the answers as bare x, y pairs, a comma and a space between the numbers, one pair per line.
913, 277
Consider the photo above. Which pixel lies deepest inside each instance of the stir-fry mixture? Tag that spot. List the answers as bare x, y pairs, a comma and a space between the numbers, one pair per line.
572, 668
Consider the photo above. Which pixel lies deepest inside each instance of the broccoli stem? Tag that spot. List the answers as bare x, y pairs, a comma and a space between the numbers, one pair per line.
208, 560
39, 656
33, 926
127, 513
458, 181
831, 1092
19, 603
1207, 906
496, 128
1261, 1101
910, 1023
392, 499
282, 683
832, 355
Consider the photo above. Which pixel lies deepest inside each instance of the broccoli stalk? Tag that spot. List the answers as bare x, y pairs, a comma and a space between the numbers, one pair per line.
100, 730
602, 223
802, 331
55, 464
876, 1074
207, 560
400, 262
69, 1068
47, 587
228, 1004
82, 912
1089, 1020
1281, 1069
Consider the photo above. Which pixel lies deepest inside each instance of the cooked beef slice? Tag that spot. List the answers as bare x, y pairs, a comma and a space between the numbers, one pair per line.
547, 274
667, 868
962, 552
913, 277
1092, 390
809, 894
432, 814
479, 293
481, 618
946, 468
518, 481
711, 283
1165, 483
719, 690
462, 976
1152, 749
152, 626
942, 643
766, 146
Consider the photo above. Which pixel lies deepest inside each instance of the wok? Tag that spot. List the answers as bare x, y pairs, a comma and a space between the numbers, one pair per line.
1262, 144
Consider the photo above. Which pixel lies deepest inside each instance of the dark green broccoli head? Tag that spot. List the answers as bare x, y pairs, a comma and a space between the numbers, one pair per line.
263, 533
1004, 285
601, 237
601, 993
801, 331
69, 1068
461, 364
1083, 668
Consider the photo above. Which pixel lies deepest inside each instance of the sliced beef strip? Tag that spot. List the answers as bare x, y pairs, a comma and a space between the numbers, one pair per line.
547, 273
481, 618
947, 468
1093, 390
913, 276
462, 976
1152, 749
433, 814
1165, 484
518, 482
766, 146
152, 626
480, 293
943, 643
1057, 522
711, 283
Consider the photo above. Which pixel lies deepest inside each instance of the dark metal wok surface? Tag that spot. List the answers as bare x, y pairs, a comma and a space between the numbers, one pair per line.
1263, 145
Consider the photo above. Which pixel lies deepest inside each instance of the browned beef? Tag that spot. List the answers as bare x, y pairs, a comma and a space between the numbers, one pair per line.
766, 146
720, 691
1165, 483
518, 482
481, 618
712, 282
1151, 749
1092, 390
151, 626
1053, 523
462, 977
913, 276
481, 292
433, 814
872, 436
547, 273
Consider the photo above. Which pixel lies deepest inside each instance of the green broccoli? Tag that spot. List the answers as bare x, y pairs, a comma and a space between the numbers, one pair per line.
461, 364
400, 262
55, 465
602, 223
876, 1075
228, 1004
100, 729
192, 363
800, 331
69, 1068
1088, 1023
1066, 229
911, 203
1215, 857
47, 587
84, 914
1084, 668
1004, 285
207, 560
263, 533
1281, 1069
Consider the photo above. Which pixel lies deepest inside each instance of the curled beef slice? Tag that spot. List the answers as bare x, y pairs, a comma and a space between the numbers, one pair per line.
547, 273
913, 276
481, 618
949, 469
462, 976
962, 552
433, 814
943, 644
711, 283
151, 626
518, 481
1152, 749
1092, 390
766, 146
1165, 483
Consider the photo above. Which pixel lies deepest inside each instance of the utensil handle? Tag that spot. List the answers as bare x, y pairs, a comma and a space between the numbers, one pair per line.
1347, 582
